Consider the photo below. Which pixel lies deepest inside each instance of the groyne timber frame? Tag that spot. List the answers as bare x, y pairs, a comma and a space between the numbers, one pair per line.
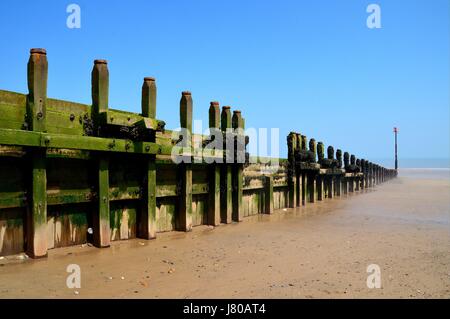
73, 173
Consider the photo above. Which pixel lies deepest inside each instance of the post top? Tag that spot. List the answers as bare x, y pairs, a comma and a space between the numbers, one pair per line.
38, 51
237, 112
186, 93
100, 61
214, 103
226, 107
149, 78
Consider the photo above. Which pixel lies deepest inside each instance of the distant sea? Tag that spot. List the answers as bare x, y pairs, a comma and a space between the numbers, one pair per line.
425, 173
415, 162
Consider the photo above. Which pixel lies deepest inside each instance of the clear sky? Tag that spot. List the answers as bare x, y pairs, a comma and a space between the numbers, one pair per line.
309, 66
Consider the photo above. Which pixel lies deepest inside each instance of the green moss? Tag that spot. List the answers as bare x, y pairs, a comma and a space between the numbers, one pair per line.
78, 219
13, 223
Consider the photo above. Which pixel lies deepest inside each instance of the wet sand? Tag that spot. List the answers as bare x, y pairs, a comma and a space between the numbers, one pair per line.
318, 251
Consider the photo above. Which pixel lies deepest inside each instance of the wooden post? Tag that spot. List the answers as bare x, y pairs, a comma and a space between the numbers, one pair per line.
214, 169
357, 179
303, 179
147, 219
337, 185
238, 167
363, 168
330, 191
185, 168
366, 174
148, 100
319, 184
351, 184
100, 91
344, 185
101, 225
310, 179
292, 178
268, 194
36, 221
226, 201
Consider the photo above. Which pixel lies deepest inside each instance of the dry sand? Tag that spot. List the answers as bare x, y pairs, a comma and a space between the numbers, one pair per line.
322, 250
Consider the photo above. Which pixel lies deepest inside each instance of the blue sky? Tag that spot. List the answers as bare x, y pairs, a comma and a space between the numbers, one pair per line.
309, 66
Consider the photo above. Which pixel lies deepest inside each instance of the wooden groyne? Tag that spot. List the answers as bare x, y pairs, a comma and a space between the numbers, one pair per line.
73, 173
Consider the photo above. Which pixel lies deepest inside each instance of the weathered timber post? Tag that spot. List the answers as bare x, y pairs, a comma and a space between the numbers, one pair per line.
363, 169
366, 174
238, 166
338, 178
214, 169
147, 219
381, 174
185, 168
369, 174
148, 100
357, 179
323, 178
292, 176
36, 222
330, 178
378, 173
346, 180
319, 186
100, 92
304, 175
372, 174
311, 178
268, 194
380, 169
350, 180
298, 172
374, 168
226, 201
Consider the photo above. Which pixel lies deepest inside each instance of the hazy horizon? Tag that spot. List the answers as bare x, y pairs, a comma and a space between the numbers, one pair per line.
414, 162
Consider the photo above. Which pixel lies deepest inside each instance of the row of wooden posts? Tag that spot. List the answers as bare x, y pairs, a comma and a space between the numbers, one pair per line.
73, 130
312, 176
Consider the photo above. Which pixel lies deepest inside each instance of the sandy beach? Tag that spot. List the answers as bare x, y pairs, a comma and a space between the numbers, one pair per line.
317, 251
